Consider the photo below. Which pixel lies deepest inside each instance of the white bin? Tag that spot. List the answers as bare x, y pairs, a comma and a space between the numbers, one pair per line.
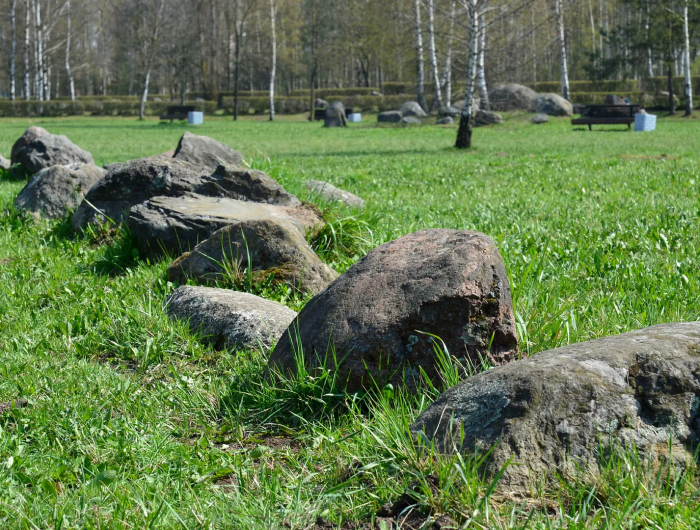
355, 117
195, 118
644, 122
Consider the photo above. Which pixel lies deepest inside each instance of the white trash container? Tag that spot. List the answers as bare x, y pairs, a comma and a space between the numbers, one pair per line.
355, 117
644, 122
195, 118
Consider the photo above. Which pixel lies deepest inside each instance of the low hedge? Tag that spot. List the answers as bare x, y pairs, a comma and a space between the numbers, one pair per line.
660, 84
326, 93
645, 99
609, 87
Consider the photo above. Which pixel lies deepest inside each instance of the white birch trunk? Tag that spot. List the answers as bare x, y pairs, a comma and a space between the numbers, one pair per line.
433, 55
149, 60
650, 67
13, 47
144, 94
447, 74
69, 72
27, 21
273, 66
39, 52
420, 67
561, 41
480, 75
466, 122
686, 63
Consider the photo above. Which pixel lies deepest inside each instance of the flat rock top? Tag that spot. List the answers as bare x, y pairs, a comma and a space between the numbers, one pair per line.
205, 151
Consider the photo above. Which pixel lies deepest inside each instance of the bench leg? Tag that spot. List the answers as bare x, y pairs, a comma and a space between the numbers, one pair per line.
590, 127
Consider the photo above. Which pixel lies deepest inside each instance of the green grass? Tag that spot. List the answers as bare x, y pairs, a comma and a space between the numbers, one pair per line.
132, 423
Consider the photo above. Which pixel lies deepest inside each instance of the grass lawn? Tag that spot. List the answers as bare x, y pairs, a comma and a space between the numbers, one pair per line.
131, 423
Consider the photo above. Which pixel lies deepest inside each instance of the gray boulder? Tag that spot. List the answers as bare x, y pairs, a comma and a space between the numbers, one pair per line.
245, 185
275, 246
612, 99
55, 191
487, 117
335, 115
48, 150
320, 103
134, 182
390, 116
450, 283
410, 120
445, 120
31, 134
553, 105
376, 94
205, 152
557, 410
178, 224
230, 319
512, 97
412, 108
451, 112
5, 163
539, 118
332, 193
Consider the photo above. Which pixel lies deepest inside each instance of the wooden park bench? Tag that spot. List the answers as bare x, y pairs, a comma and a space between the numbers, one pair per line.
177, 113
607, 115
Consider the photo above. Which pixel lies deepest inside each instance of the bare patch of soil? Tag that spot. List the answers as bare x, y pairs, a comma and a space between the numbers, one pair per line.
14, 404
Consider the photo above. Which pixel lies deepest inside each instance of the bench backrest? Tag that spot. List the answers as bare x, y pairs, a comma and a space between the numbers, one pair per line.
181, 110
611, 111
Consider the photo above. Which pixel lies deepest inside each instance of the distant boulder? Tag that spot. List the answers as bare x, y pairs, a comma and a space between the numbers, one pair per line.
486, 117
376, 94
206, 152
410, 120
553, 105
335, 115
412, 109
390, 116
56, 190
320, 103
538, 119
445, 120
612, 99
512, 97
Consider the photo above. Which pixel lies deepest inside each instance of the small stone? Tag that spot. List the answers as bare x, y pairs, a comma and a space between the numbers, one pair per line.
332, 193
391, 116
539, 118
409, 120
230, 319
445, 120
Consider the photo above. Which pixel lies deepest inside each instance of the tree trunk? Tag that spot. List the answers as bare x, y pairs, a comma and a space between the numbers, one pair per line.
671, 106
686, 62
39, 52
273, 66
561, 41
27, 90
466, 121
420, 68
144, 94
13, 47
447, 74
69, 72
650, 68
481, 77
433, 55
149, 59
237, 73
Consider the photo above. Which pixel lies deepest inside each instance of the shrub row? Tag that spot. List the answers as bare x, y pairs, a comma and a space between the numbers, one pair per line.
660, 84
647, 100
92, 107
609, 87
325, 93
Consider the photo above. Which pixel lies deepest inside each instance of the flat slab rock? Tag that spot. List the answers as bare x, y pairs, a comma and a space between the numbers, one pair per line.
46, 150
551, 411
275, 246
245, 185
206, 152
56, 190
331, 193
449, 283
179, 224
230, 319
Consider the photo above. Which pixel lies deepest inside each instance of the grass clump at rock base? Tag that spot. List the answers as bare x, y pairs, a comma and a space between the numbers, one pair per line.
130, 422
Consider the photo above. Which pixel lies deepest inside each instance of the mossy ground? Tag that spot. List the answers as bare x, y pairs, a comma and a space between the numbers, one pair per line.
132, 423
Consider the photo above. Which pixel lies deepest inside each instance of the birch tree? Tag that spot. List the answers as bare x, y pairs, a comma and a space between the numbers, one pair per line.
149, 54
466, 121
27, 21
420, 67
13, 46
273, 66
39, 52
480, 75
433, 55
561, 42
686, 62
69, 72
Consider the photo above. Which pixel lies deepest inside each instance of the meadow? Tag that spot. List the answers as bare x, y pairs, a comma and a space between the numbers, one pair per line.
130, 422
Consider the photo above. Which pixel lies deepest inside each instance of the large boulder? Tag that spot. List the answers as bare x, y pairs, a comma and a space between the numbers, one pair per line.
245, 185
512, 97
613, 99
31, 134
487, 117
55, 191
557, 410
410, 120
48, 150
134, 182
538, 119
390, 116
331, 193
178, 224
266, 246
205, 152
553, 105
230, 319
335, 115
449, 283
412, 108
